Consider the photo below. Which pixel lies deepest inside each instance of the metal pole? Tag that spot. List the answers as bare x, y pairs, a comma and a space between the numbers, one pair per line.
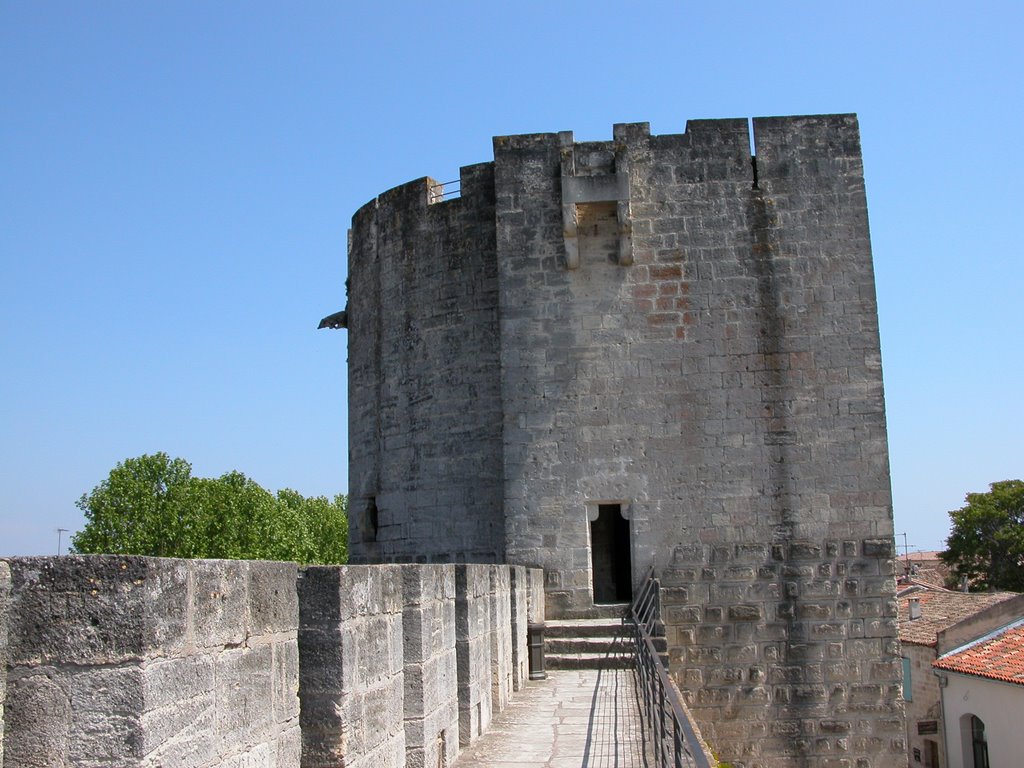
60, 531
661, 718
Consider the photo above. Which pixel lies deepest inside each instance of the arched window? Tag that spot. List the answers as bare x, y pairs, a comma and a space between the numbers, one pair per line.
978, 744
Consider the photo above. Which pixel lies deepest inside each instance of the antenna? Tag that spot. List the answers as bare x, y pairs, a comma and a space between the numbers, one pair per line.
60, 532
906, 552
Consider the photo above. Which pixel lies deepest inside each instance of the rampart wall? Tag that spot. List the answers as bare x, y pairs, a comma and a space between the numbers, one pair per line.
150, 662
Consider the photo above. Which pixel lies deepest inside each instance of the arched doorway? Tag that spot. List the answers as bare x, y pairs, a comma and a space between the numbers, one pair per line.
974, 740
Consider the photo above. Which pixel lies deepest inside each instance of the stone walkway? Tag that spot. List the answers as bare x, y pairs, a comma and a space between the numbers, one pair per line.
574, 719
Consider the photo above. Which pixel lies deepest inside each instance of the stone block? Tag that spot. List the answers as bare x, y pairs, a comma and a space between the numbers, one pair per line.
500, 636
473, 649
243, 704
285, 681
179, 707
350, 648
106, 724
155, 664
219, 602
880, 548
430, 674
520, 619
273, 598
535, 595
94, 610
38, 720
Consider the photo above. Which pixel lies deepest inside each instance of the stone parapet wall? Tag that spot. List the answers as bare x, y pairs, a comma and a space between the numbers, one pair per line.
431, 677
148, 662
351, 671
519, 602
501, 637
535, 600
473, 627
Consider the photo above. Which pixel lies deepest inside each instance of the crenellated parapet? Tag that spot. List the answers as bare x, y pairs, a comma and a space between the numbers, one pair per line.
143, 662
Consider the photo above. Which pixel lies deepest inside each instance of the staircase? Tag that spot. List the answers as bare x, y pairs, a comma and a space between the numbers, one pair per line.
588, 644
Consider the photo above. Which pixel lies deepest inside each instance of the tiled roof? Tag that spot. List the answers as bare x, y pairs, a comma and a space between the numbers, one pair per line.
999, 657
941, 610
929, 556
925, 565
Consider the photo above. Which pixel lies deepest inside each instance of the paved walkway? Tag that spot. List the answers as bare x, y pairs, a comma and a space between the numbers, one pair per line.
574, 719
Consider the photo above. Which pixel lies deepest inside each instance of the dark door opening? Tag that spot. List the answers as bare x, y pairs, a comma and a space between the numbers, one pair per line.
610, 556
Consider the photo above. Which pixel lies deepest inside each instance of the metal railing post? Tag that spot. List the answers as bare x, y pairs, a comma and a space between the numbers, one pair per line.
662, 705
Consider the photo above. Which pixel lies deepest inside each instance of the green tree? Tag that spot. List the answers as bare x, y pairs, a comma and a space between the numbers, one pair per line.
986, 544
151, 505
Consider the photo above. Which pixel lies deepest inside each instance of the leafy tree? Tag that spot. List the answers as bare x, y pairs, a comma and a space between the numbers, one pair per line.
151, 505
987, 541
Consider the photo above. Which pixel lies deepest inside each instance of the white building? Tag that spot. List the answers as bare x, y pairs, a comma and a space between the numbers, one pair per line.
982, 684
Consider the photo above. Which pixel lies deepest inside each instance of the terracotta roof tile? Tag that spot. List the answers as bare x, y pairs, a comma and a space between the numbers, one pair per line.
941, 610
1000, 657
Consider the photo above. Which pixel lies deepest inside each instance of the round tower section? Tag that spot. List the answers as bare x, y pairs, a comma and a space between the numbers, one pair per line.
424, 375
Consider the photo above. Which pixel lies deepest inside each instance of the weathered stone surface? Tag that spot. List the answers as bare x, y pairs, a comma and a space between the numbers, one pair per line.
149, 662
431, 679
473, 626
668, 324
535, 601
432, 275
38, 720
351, 665
97, 609
520, 618
500, 637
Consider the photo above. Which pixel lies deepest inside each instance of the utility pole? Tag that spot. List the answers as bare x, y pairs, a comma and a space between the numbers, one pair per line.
60, 532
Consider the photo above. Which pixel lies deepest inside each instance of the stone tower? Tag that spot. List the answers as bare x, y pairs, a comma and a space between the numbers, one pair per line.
655, 352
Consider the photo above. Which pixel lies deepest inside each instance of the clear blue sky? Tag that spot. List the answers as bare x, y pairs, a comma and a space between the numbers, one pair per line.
176, 180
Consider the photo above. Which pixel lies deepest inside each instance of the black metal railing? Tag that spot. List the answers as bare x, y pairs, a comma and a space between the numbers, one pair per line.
445, 190
674, 741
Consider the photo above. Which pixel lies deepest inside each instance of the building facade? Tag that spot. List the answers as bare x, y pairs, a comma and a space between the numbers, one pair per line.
650, 354
982, 685
933, 621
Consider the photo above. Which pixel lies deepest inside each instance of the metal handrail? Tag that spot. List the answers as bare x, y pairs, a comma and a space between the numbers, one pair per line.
673, 737
444, 189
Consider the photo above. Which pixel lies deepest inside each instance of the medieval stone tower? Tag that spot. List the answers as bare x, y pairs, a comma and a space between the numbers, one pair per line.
654, 352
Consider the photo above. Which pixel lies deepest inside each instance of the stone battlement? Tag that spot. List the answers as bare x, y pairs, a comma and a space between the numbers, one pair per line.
140, 661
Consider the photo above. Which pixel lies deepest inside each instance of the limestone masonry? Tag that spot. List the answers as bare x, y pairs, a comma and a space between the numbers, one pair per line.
654, 352
142, 662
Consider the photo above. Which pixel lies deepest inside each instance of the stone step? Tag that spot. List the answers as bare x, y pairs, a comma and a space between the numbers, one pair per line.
589, 661
555, 645
586, 628
602, 611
